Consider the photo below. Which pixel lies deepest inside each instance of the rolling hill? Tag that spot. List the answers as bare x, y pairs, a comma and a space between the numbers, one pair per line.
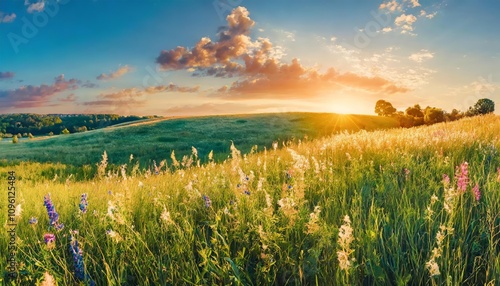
155, 139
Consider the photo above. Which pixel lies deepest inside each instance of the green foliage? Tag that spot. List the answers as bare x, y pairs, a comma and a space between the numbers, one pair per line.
433, 115
384, 108
484, 106
14, 139
65, 131
44, 124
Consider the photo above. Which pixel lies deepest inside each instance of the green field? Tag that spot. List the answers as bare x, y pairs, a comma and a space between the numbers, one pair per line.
415, 206
156, 140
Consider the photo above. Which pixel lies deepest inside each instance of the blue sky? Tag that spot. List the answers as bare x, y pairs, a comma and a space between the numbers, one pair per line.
191, 57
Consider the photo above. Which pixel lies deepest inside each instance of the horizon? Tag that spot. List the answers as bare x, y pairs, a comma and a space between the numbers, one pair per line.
247, 58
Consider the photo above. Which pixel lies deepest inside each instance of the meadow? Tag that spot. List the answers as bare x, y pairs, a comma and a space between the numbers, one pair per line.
155, 139
416, 206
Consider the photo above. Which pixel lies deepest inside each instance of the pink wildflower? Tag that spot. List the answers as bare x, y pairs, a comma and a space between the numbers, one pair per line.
462, 175
477, 192
446, 180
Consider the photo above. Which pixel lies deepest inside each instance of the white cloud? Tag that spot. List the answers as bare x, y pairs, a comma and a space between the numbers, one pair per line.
421, 56
430, 16
35, 7
391, 6
387, 30
405, 19
415, 3
333, 39
7, 18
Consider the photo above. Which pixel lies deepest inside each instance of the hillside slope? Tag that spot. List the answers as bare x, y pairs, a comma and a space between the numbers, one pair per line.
155, 139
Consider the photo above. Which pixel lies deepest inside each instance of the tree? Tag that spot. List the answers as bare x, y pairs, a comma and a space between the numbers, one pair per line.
65, 131
433, 115
384, 108
30, 136
415, 111
14, 139
484, 106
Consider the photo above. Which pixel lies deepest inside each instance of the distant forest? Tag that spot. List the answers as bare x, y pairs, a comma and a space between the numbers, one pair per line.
28, 125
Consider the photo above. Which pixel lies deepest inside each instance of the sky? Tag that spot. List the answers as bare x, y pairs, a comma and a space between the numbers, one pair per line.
187, 57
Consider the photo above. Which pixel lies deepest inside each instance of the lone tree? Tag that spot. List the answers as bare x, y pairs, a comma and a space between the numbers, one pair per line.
484, 106
384, 108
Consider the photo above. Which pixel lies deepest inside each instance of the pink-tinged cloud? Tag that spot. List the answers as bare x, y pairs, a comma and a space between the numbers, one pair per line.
6, 75
171, 88
259, 68
36, 96
69, 98
116, 74
136, 95
7, 18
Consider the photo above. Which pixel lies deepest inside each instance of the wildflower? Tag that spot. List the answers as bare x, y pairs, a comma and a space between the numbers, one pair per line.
77, 253
83, 203
165, 217
114, 235
33, 221
498, 176
18, 210
141, 184
446, 180
51, 211
462, 175
49, 238
208, 202
477, 192
345, 239
131, 157
48, 280
312, 224
433, 268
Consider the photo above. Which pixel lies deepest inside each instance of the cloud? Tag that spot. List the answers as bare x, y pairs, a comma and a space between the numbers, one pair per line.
391, 6
170, 88
116, 74
259, 67
6, 75
415, 3
35, 7
405, 19
7, 18
69, 98
421, 56
137, 95
386, 29
36, 96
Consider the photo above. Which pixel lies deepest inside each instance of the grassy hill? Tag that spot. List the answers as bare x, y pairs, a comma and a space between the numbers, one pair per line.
155, 139
413, 206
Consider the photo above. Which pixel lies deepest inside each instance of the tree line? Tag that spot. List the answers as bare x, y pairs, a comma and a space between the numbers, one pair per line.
416, 116
29, 125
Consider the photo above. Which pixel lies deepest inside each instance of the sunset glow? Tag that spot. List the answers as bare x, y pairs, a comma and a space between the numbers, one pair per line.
252, 57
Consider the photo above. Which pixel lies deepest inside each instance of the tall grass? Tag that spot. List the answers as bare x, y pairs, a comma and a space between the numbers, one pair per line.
370, 208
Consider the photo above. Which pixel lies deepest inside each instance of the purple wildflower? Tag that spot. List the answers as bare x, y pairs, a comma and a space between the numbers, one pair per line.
33, 220
477, 192
207, 200
77, 253
49, 238
462, 175
51, 211
83, 203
